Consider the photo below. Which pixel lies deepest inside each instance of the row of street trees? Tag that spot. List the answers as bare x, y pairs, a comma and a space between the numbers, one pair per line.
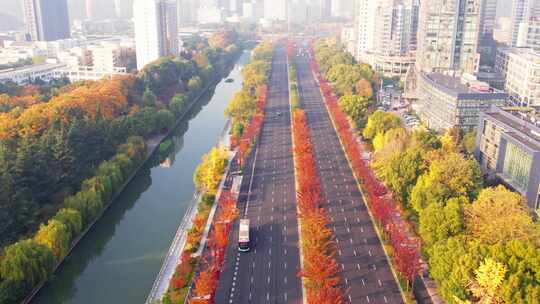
246, 111
319, 267
481, 244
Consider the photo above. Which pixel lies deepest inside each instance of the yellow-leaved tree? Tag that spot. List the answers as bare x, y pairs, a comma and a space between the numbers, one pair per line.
208, 174
486, 288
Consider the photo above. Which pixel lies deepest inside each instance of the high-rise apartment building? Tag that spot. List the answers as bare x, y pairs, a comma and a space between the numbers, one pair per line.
488, 18
276, 9
46, 20
520, 68
156, 30
529, 34
522, 11
448, 35
365, 25
386, 32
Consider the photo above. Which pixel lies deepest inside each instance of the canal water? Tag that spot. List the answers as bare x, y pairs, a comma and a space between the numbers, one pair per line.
120, 257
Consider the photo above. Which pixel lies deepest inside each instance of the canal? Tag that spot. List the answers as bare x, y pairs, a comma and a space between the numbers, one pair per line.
120, 257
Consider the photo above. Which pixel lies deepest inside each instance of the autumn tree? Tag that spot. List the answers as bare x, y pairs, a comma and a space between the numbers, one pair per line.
453, 176
380, 122
363, 88
489, 278
208, 174
500, 215
241, 108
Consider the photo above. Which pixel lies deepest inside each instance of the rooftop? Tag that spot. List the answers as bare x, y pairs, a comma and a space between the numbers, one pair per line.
466, 85
521, 128
522, 52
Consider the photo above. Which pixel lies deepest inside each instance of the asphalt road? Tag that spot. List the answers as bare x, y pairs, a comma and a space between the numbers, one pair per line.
366, 275
269, 272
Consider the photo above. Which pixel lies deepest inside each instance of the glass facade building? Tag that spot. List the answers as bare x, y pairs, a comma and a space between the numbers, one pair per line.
508, 148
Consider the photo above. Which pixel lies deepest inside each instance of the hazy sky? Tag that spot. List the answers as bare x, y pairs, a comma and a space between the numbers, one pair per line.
13, 7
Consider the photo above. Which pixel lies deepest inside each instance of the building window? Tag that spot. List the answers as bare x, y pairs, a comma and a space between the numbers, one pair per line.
517, 166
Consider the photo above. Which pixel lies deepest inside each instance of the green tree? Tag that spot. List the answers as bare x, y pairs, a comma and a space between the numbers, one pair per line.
149, 98
27, 261
344, 77
452, 176
165, 120
400, 170
438, 223
71, 219
356, 107
178, 105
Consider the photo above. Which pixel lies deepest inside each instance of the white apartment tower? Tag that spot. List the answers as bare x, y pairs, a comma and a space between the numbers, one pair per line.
448, 35
156, 30
386, 31
522, 11
276, 9
365, 25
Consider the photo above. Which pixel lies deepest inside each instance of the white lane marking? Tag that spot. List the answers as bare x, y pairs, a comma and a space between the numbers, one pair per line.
354, 252
363, 282
385, 300
369, 252
380, 283
367, 298
358, 266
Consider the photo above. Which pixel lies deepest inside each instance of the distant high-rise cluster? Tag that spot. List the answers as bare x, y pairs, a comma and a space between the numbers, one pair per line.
156, 30
46, 20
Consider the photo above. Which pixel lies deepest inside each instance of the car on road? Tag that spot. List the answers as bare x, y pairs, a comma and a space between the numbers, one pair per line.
243, 236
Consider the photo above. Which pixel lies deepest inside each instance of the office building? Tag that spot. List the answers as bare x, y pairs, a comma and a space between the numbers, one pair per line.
46, 20
508, 148
156, 30
448, 35
520, 68
446, 102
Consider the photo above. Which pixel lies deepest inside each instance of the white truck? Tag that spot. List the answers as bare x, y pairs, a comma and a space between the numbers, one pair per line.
243, 237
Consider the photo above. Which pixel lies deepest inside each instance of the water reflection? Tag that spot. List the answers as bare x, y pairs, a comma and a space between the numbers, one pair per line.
118, 260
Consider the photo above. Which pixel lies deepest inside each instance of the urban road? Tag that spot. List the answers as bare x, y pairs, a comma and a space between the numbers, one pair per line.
269, 272
365, 272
